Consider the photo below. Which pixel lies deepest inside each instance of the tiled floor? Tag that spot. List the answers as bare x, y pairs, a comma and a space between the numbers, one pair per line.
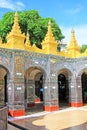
67, 119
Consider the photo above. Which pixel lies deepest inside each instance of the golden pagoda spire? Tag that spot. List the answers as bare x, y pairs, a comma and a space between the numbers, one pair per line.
73, 47
15, 39
27, 43
0, 42
16, 27
73, 43
49, 44
49, 36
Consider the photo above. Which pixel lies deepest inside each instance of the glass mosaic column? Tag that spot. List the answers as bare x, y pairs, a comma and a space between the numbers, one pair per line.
51, 88
16, 87
30, 93
1, 92
76, 92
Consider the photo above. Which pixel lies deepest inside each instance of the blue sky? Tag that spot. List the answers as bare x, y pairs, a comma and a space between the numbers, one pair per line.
67, 14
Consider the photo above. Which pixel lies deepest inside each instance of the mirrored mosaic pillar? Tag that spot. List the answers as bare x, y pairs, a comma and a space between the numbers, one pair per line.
2, 92
30, 92
51, 95
51, 88
76, 92
16, 89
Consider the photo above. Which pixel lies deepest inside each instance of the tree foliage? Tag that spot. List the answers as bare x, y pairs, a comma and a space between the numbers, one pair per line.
83, 48
32, 22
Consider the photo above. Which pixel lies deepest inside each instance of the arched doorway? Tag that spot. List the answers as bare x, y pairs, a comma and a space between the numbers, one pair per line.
3, 86
63, 88
34, 89
84, 87
39, 87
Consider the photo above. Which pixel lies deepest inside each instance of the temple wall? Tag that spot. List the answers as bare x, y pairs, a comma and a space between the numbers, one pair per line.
50, 66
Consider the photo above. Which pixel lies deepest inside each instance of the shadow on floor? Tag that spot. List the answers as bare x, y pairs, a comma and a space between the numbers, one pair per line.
63, 105
35, 109
39, 108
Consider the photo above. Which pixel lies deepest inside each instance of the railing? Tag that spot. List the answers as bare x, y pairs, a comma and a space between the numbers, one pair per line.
3, 118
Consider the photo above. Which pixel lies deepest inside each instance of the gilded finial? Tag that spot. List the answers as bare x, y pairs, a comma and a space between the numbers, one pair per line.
16, 27
49, 23
15, 34
73, 34
0, 42
72, 31
16, 14
27, 43
73, 46
49, 36
49, 41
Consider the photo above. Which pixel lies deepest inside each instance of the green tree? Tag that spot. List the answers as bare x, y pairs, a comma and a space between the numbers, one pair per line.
83, 48
6, 24
32, 22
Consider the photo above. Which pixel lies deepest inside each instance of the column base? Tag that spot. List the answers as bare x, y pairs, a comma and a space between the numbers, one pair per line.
50, 108
16, 113
76, 104
32, 104
37, 100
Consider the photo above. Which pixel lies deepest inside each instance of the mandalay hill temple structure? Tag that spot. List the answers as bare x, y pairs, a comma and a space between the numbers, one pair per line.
29, 74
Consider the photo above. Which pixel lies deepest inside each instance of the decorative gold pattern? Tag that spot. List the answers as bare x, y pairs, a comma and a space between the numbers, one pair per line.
18, 64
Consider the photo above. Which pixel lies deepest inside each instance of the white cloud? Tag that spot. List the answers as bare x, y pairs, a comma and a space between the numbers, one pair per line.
20, 5
75, 10
80, 34
8, 4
